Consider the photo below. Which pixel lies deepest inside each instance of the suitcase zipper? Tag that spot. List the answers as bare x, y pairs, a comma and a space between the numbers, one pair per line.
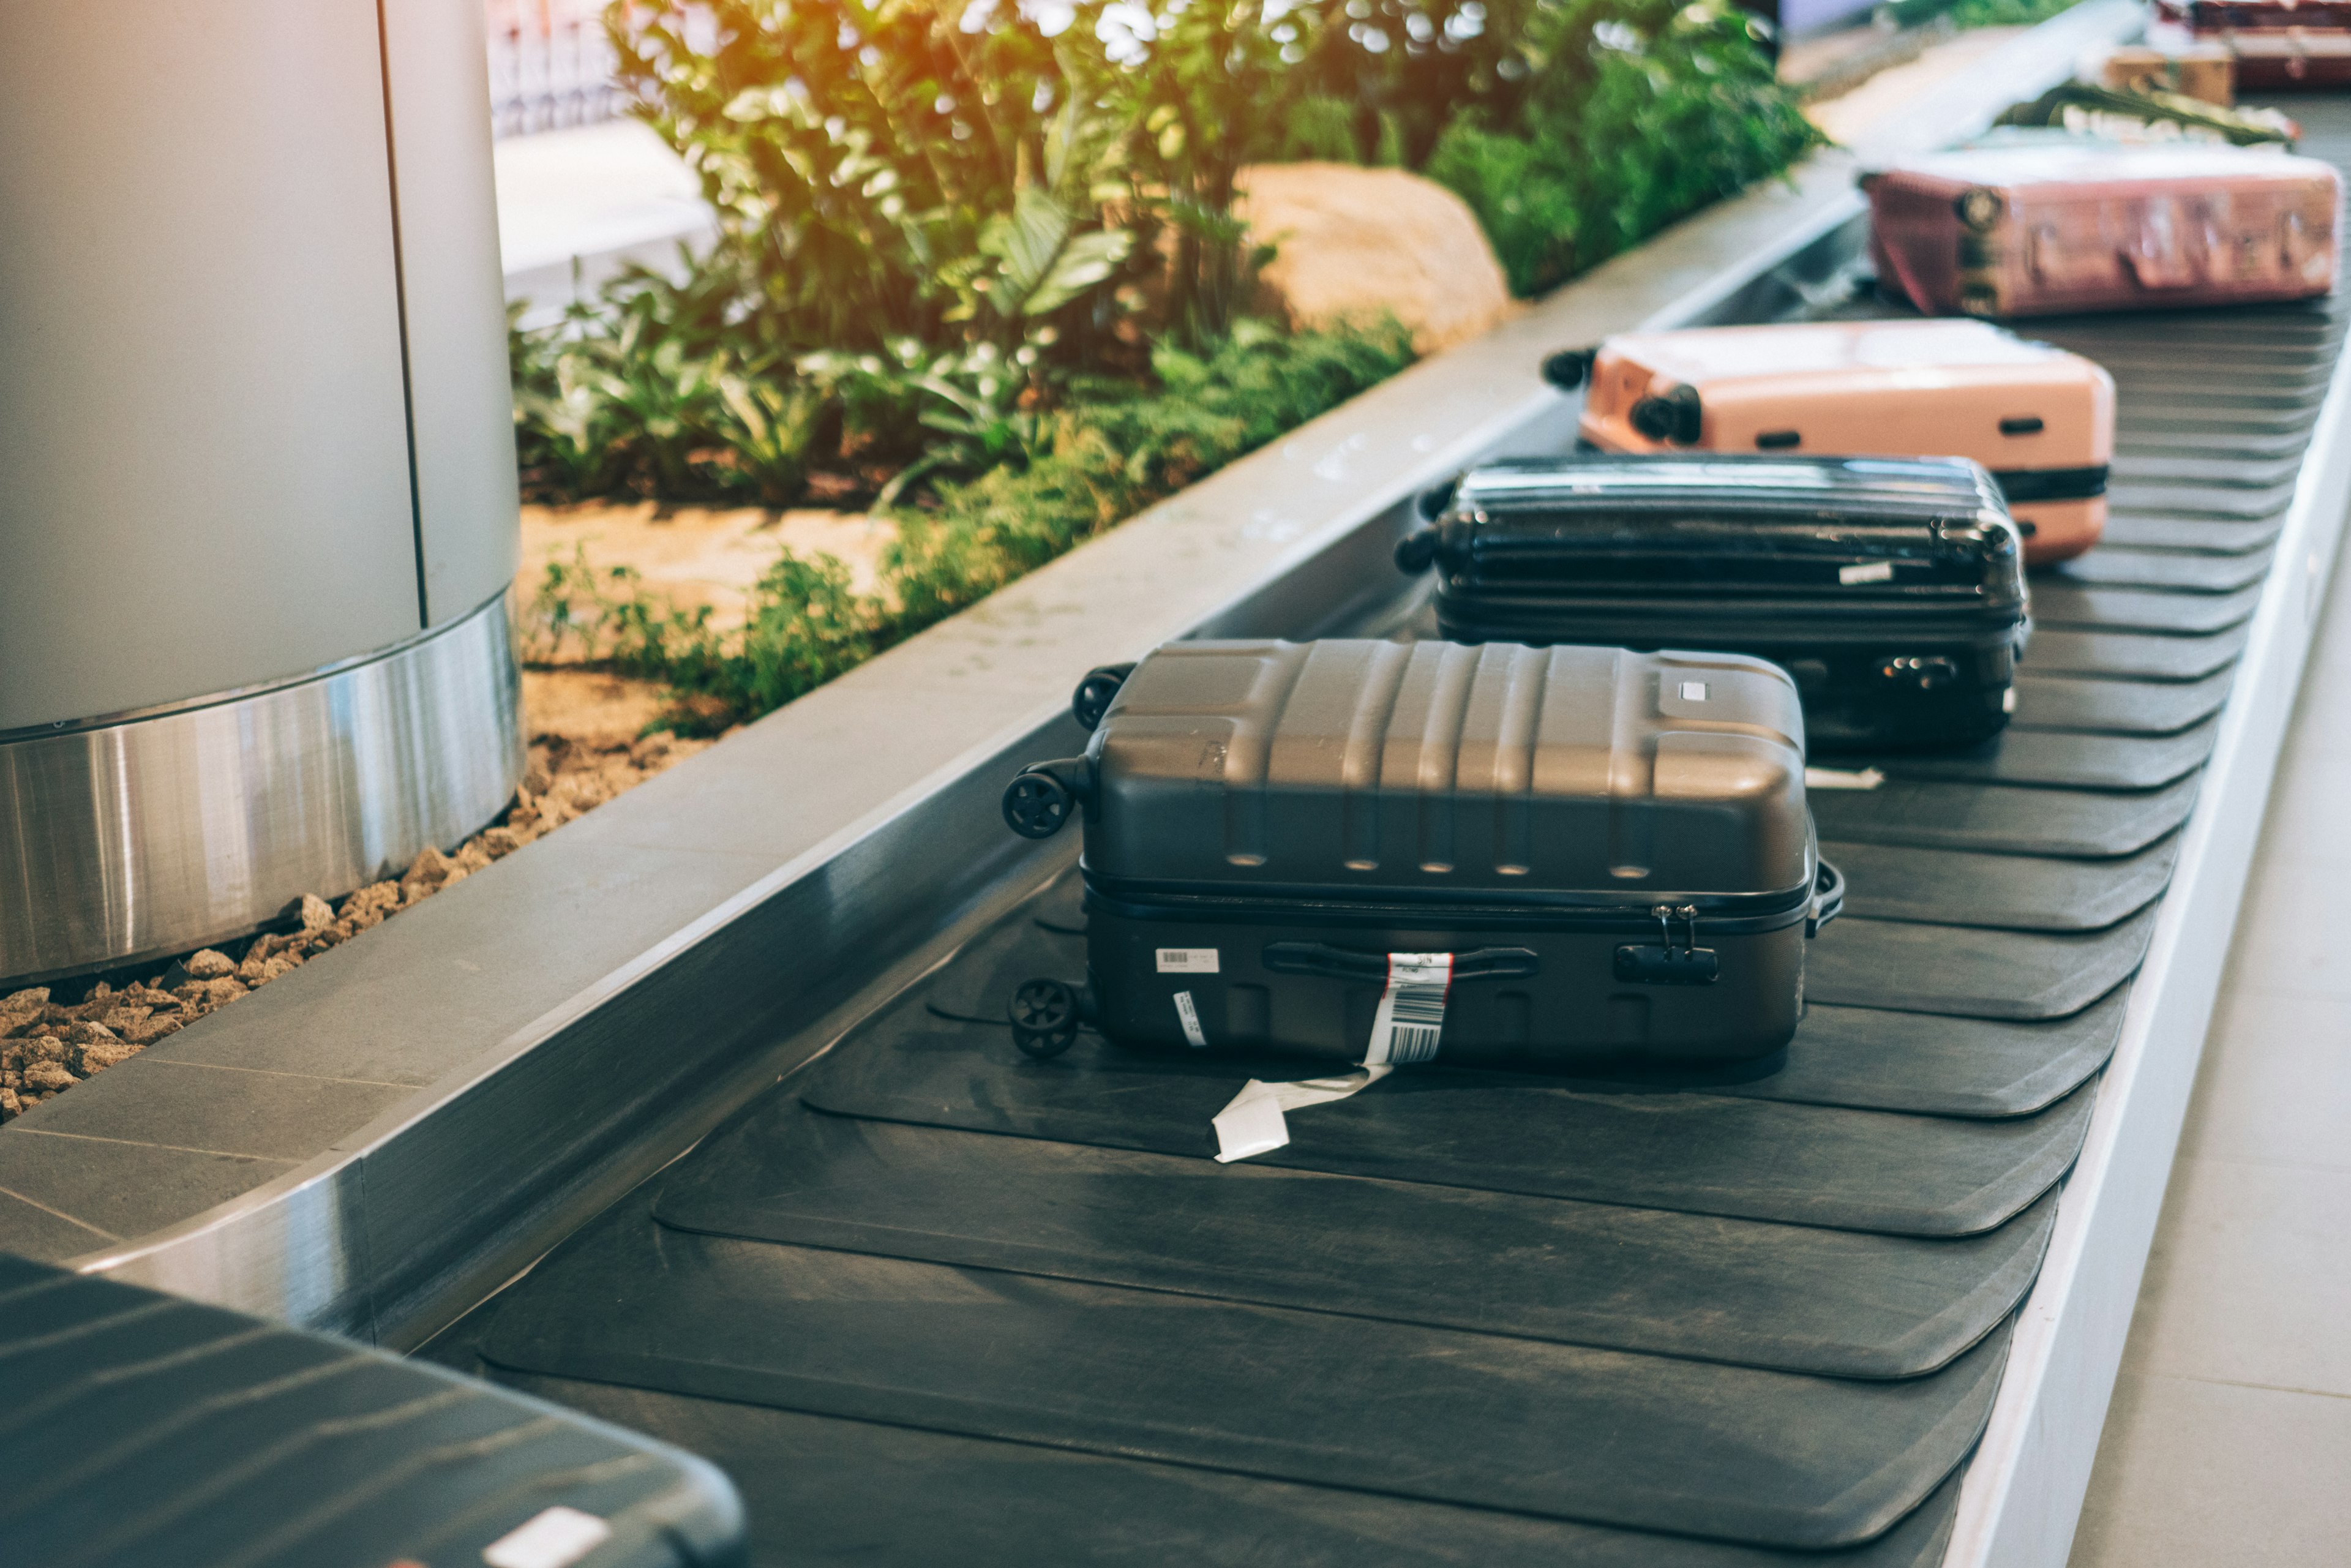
1729, 914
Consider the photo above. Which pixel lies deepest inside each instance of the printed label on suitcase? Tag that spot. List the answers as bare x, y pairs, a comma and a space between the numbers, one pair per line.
1189, 1016
1411, 1015
1188, 960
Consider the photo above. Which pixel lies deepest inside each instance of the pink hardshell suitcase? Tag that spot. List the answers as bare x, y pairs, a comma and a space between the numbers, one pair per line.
2041, 419
2063, 224
2274, 44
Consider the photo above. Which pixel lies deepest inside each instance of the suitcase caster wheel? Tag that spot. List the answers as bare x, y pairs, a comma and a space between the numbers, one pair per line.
1044, 1017
1096, 694
1037, 804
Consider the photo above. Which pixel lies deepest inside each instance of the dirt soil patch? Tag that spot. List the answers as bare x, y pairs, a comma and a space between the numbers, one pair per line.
697, 556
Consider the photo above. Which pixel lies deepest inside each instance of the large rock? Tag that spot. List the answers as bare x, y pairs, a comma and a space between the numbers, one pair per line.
1355, 242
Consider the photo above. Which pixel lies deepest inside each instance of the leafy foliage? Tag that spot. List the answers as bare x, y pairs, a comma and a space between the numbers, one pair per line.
1634, 112
2007, 13
979, 266
1112, 452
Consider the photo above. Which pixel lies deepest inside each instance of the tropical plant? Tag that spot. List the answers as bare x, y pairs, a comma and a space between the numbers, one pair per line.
1633, 113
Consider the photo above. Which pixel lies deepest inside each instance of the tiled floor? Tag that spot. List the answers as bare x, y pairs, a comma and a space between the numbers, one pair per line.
2228, 1440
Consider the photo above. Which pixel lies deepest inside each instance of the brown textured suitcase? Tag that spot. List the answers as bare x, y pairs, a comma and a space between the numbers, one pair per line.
2042, 225
2041, 419
1378, 852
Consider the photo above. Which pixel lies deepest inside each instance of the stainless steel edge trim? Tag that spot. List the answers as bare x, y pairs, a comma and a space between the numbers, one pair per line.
2024, 1492
470, 1179
151, 837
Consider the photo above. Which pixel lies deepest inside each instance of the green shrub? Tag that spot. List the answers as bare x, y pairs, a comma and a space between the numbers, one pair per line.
1114, 450
979, 267
1635, 114
2007, 13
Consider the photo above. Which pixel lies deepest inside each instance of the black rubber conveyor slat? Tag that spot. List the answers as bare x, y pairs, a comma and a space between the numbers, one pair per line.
1766, 1458
2110, 566
1018, 1313
2084, 703
2137, 655
1653, 1147
2057, 602
2191, 536
1794, 1299
813, 1480
1975, 972
1949, 814
1962, 887
2062, 759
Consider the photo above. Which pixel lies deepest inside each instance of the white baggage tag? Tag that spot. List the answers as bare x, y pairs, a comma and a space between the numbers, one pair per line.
1254, 1124
1411, 1015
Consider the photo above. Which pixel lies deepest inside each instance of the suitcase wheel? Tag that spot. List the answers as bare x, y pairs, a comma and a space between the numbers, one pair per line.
1037, 804
1044, 1017
1567, 369
1096, 693
1417, 551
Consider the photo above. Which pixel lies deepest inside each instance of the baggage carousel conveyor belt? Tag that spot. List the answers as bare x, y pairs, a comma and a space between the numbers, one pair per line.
930, 1301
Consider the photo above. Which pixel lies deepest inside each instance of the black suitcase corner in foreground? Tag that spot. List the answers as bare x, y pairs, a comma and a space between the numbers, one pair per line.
141, 1429
1383, 850
1891, 588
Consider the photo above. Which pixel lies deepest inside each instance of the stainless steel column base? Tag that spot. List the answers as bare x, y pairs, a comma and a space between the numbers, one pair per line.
139, 835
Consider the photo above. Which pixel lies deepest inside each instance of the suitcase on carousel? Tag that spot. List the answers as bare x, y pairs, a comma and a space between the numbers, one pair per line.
2041, 224
2274, 44
1387, 851
2041, 419
1889, 589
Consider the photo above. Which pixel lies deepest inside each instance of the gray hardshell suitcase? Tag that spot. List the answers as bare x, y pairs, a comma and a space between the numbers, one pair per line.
1380, 852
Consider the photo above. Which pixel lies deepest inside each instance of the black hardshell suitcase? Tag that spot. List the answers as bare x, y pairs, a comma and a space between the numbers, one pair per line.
1891, 588
1378, 851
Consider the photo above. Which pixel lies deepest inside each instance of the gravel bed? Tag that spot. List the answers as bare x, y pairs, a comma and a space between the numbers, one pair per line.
53, 1037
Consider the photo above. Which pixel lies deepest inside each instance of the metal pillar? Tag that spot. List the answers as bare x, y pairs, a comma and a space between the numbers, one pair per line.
258, 499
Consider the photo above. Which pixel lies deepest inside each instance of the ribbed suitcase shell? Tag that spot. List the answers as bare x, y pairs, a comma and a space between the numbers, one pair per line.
156, 1430
1890, 587
1305, 809
2064, 224
2041, 419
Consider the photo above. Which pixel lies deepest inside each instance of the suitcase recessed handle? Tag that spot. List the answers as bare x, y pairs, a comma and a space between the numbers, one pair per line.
1350, 964
1828, 898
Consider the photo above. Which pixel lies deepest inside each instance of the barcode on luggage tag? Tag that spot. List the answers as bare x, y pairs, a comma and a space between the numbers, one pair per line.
1411, 1015
1867, 571
1188, 960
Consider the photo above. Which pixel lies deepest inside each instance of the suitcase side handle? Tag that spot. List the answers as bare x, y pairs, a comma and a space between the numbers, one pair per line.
1828, 898
1351, 964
